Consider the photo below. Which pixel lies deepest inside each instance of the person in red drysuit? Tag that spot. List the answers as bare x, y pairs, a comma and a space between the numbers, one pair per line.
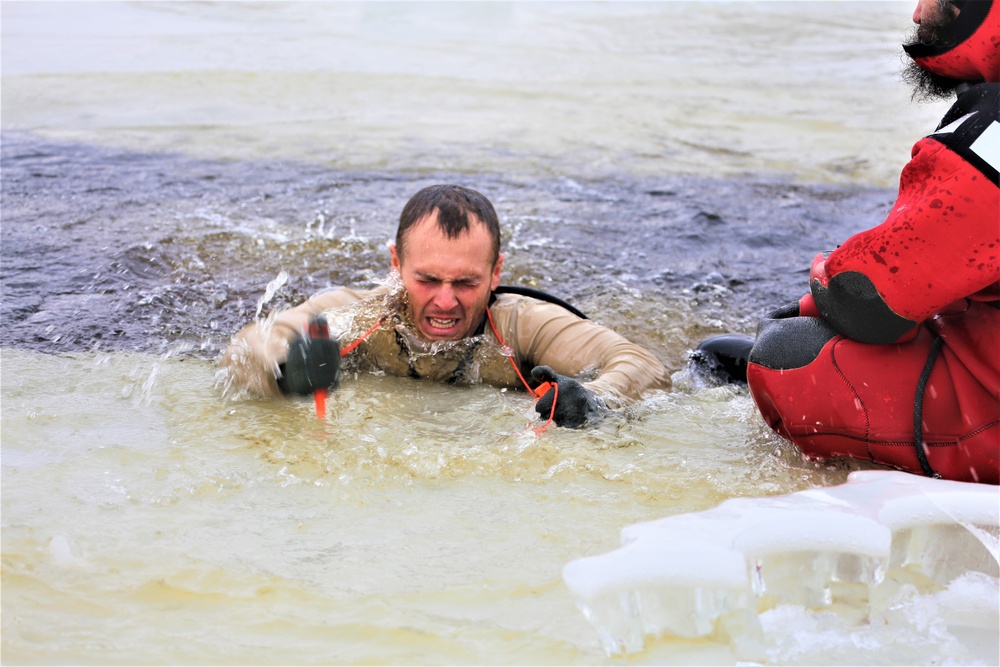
894, 355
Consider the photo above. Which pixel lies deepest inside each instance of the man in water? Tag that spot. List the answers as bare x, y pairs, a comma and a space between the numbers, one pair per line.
447, 318
894, 355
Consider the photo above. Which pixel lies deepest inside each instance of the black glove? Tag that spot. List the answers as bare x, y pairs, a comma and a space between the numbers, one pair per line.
723, 358
576, 405
785, 340
312, 363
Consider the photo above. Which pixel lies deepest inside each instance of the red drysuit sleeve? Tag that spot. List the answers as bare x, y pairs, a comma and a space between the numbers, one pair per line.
940, 243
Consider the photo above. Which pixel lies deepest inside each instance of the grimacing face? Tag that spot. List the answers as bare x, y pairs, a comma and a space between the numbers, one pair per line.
448, 281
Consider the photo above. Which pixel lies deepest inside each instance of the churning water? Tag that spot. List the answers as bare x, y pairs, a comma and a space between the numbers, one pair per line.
670, 168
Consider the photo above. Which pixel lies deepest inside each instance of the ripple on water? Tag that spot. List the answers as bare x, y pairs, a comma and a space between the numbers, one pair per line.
157, 249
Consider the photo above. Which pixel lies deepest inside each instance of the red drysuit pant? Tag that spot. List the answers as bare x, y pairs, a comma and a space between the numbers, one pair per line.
915, 406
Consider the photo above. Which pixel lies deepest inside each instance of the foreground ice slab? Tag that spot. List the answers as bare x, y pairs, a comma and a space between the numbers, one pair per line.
714, 573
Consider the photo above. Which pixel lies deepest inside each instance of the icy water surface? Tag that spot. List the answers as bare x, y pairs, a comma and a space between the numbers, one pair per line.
669, 168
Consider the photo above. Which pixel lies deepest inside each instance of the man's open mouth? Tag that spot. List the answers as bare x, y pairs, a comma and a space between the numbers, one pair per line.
442, 324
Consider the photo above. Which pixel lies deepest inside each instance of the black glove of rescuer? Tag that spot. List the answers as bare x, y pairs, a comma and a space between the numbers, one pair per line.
575, 406
723, 358
313, 363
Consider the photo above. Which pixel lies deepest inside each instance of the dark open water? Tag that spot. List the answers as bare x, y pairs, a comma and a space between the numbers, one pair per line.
124, 250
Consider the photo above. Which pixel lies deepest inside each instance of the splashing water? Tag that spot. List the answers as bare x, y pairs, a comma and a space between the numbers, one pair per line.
277, 283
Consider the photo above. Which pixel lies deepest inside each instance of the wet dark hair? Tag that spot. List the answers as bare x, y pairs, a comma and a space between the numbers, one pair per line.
928, 86
453, 203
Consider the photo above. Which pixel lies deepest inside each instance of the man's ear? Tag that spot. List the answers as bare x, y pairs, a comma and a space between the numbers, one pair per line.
395, 256
495, 279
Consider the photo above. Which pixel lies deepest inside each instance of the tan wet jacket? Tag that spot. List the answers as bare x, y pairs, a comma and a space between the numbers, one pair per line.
535, 332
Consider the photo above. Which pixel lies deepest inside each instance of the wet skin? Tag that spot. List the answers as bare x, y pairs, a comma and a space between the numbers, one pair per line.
448, 281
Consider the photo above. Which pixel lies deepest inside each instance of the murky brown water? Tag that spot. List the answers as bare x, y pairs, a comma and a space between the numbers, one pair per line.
669, 168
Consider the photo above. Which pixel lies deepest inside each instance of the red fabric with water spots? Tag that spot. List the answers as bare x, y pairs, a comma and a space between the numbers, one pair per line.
940, 242
931, 269
976, 58
857, 399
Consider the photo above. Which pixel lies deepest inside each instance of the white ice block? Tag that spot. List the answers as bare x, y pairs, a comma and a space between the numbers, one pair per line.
804, 548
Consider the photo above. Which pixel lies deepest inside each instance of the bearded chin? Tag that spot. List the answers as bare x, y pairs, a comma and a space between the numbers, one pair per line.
927, 86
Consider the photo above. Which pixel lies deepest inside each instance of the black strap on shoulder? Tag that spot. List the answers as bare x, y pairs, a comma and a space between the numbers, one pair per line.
540, 295
918, 408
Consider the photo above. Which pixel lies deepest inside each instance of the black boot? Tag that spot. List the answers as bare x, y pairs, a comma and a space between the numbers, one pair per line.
723, 359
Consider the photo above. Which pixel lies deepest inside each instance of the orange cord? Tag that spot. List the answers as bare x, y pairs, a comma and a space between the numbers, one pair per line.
344, 351
538, 391
319, 396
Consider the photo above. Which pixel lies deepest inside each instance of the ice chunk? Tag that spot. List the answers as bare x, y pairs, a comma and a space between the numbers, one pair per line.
712, 573
659, 590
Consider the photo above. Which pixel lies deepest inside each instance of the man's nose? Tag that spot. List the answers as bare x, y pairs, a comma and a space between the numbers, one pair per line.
444, 297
